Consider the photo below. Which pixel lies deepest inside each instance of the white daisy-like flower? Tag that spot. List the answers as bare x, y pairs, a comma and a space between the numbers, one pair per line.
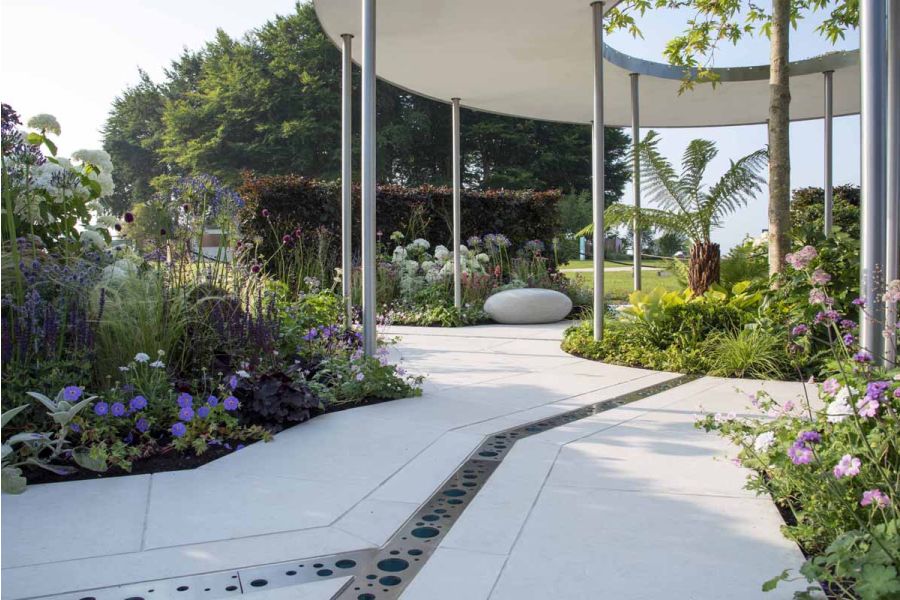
124, 369
45, 123
839, 408
141, 357
764, 441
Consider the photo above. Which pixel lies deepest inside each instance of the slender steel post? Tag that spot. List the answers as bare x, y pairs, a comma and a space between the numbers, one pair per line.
636, 175
829, 150
873, 53
457, 210
347, 177
368, 176
598, 168
893, 176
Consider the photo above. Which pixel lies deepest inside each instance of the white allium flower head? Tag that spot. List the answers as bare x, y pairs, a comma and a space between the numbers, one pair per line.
399, 254
482, 258
44, 122
423, 244
91, 237
441, 253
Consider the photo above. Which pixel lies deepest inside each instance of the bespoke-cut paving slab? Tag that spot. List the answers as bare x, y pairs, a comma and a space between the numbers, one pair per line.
317, 590
582, 543
64, 521
454, 575
189, 507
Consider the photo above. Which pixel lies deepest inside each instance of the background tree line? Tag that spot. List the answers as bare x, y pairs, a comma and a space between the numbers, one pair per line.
270, 102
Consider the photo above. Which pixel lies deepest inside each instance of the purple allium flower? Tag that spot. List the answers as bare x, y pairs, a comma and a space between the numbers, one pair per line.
862, 357
203, 412
138, 403
162, 232
117, 409
820, 277
876, 497
179, 429
142, 425
266, 213
212, 401
255, 269
101, 408
129, 218
861, 302
848, 466
71, 393
287, 239
233, 382
817, 296
186, 413
800, 454
799, 330
185, 400
117, 227
230, 403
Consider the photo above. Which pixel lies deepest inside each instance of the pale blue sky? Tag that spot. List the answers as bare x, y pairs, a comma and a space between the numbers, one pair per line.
72, 58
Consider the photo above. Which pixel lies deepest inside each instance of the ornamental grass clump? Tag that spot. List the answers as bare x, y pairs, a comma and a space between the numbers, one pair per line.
831, 463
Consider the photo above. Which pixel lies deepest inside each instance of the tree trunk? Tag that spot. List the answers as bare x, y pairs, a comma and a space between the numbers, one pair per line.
703, 267
779, 140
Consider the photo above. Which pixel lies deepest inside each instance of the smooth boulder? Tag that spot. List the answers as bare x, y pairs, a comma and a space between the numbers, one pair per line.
528, 305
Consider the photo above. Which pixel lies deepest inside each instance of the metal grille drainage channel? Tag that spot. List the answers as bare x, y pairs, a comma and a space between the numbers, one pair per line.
377, 573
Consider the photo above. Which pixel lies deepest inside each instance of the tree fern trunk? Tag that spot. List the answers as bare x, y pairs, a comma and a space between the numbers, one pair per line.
703, 268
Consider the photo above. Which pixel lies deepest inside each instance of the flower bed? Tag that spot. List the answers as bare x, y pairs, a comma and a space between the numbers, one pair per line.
146, 354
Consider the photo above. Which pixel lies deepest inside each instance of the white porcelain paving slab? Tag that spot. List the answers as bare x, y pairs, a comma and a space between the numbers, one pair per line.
62, 521
189, 507
455, 575
376, 520
582, 543
317, 590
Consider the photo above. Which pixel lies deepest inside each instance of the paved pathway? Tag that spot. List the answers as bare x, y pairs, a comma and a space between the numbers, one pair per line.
630, 503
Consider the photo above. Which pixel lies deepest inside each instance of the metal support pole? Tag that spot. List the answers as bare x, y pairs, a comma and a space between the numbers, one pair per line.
368, 177
829, 150
347, 177
872, 172
457, 210
636, 175
893, 175
598, 168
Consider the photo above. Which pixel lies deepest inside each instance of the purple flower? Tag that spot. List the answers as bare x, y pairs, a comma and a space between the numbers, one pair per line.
75, 427
861, 302
72, 393
185, 400
809, 437
265, 213
101, 408
848, 466
876, 389
820, 277
311, 334
179, 429
212, 401
239, 447
203, 412
867, 407
230, 403
849, 340
287, 239
129, 218
138, 403
848, 324
186, 413
876, 497
831, 386
799, 330
142, 425
254, 269
360, 376
800, 454
862, 357
897, 393
118, 409
232, 382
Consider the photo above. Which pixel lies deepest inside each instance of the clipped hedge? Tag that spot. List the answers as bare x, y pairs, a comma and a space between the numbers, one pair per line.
300, 202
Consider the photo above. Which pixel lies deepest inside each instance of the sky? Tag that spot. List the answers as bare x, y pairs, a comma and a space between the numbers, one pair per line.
71, 59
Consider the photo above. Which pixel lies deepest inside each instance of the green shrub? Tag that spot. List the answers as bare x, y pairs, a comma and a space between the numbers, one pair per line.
751, 352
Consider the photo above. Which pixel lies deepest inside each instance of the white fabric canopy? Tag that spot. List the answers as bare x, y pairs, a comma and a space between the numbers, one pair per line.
533, 58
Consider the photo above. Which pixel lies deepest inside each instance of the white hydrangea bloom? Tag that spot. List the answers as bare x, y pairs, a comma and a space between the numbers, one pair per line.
92, 238
399, 254
423, 244
441, 253
45, 123
482, 258
102, 161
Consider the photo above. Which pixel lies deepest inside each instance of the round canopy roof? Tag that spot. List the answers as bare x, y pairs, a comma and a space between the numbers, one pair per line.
534, 59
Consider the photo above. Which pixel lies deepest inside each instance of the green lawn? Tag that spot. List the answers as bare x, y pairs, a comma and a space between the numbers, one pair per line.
617, 285
587, 264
